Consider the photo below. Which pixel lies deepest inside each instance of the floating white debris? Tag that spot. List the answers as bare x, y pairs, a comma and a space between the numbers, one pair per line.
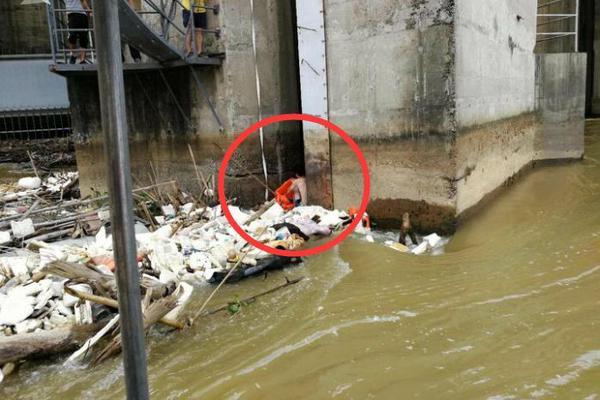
104, 215
274, 212
5, 237
184, 292
433, 240
83, 314
102, 240
420, 249
168, 211
29, 183
15, 309
187, 208
16, 265
70, 301
29, 325
20, 229
238, 215
49, 254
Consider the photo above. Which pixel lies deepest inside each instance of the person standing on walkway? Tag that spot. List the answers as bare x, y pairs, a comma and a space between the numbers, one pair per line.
199, 23
135, 53
78, 23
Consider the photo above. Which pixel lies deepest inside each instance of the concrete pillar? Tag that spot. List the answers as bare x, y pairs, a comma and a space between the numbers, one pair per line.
317, 163
312, 65
596, 80
560, 101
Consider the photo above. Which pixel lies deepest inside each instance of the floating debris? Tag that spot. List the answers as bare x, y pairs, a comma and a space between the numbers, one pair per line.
57, 277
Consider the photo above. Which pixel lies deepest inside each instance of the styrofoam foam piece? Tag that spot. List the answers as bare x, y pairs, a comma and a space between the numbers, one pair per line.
15, 309
420, 249
168, 210
238, 215
20, 229
5, 237
434, 239
274, 212
30, 183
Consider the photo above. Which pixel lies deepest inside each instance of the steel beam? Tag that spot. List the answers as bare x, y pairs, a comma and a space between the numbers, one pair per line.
116, 146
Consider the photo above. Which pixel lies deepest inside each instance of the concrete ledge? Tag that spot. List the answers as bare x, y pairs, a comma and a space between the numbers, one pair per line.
425, 217
488, 155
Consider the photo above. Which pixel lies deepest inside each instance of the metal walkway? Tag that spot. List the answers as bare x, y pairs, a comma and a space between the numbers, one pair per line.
134, 31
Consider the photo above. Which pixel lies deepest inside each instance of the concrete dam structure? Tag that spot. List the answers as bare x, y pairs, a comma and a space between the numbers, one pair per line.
446, 98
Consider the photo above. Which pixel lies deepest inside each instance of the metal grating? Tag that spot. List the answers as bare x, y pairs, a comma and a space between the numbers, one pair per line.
35, 124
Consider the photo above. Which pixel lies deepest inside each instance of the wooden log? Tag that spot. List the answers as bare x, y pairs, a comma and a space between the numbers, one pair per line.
83, 350
33, 207
154, 313
45, 343
115, 304
51, 235
72, 218
103, 283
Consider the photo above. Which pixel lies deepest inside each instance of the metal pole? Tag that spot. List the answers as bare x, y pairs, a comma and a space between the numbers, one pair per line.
114, 123
51, 32
576, 26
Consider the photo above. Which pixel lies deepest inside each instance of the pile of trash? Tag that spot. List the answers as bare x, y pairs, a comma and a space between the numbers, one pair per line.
53, 283
25, 214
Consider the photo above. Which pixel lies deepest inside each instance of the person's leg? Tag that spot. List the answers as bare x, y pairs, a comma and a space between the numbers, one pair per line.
199, 41
81, 23
201, 23
188, 33
72, 39
135, 54
199, 38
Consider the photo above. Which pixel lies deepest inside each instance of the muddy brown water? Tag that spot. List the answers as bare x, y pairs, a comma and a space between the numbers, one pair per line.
511, 311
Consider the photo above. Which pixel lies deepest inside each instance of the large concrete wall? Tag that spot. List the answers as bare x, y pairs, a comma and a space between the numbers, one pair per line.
494, 59
560, 100
390, 69
440, 95
160, 135
495, 94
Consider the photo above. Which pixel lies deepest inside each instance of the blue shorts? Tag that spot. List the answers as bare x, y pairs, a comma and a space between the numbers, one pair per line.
199, 19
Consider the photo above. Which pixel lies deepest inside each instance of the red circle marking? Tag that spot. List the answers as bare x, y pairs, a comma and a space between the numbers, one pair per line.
294, 117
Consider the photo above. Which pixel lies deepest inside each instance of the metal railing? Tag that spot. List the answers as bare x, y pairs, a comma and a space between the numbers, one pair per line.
35, 124
551, 19
60, 31
59, 28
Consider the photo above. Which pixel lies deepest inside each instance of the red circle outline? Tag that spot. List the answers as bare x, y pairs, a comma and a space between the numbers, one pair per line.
294, 117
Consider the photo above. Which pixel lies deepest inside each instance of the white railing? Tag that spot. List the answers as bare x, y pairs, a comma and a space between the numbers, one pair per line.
558, 17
